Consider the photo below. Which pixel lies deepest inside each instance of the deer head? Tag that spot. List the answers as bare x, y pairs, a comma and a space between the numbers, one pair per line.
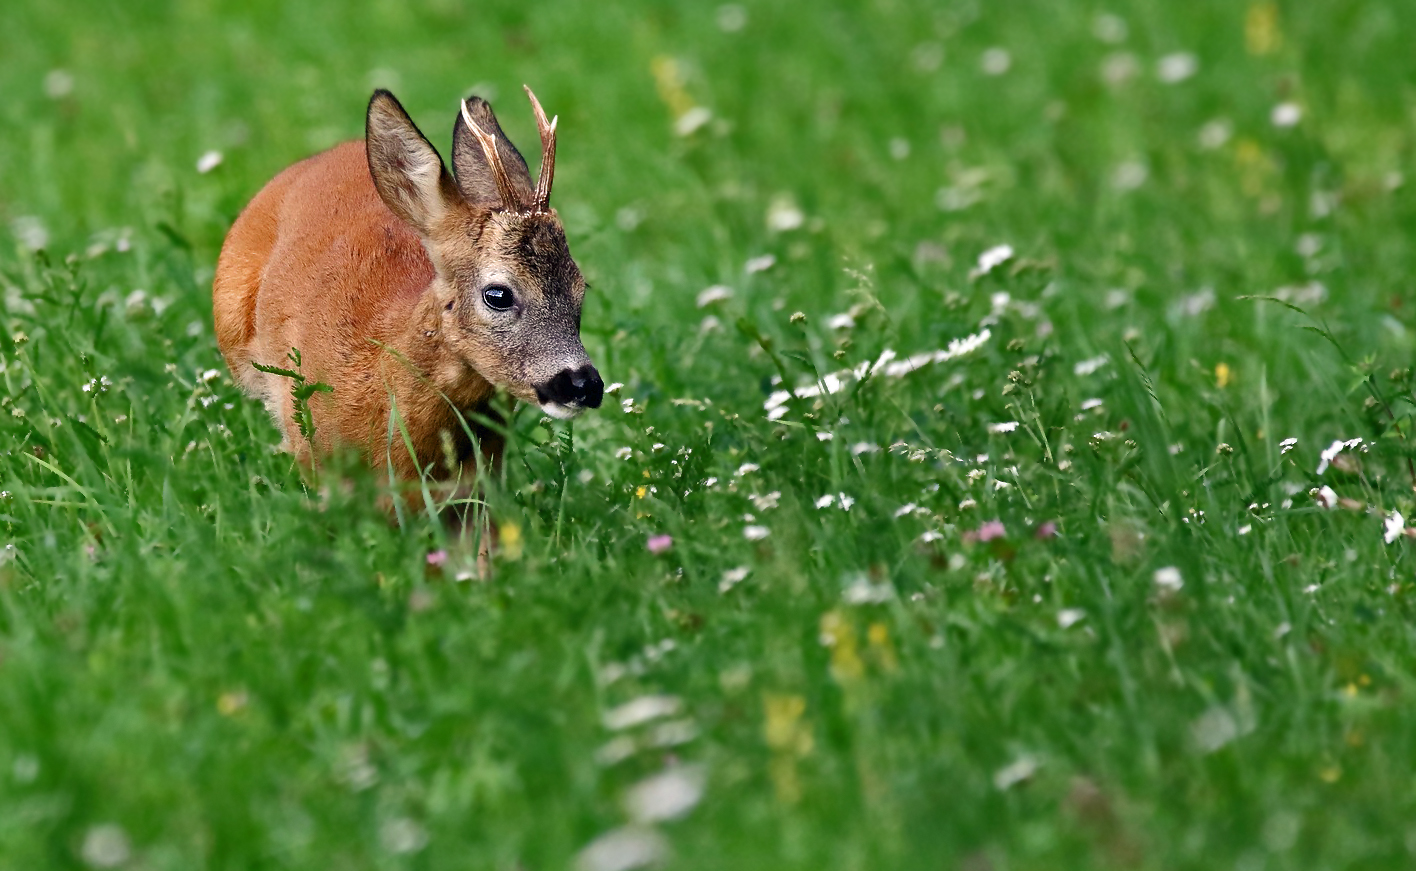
508, 293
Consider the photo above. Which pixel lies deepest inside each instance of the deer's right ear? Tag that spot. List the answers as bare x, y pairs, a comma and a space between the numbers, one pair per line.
407, 170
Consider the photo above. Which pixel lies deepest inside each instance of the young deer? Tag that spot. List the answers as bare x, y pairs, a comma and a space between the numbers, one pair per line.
412, 292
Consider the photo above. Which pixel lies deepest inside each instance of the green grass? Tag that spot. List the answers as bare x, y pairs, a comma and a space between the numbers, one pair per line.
206, 664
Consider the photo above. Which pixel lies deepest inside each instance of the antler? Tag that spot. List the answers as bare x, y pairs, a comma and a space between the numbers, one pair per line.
489, 148
548, 153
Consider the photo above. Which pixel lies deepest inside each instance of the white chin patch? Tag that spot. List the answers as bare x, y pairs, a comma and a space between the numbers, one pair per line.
561, 412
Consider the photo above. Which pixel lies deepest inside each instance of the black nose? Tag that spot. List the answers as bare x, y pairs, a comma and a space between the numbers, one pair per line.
581, 387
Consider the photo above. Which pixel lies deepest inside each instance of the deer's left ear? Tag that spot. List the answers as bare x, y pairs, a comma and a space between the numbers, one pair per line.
407, 171
476, 169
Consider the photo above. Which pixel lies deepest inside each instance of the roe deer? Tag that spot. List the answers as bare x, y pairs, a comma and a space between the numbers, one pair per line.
409, 291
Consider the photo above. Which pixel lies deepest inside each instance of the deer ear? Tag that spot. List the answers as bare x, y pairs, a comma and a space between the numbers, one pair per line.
475, 176
407, 171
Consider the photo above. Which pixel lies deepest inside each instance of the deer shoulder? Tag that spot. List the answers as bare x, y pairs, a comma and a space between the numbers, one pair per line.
415, 293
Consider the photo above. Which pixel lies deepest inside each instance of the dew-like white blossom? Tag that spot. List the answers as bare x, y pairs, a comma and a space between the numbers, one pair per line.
1177, 67
783, 215
106, 846
1286, 115
996, 61
641, 710
716, 293
1088, 366
693, 120
1068, 617
1016, 772
1393, 527
732, 577
765, 502
623, 849
667, 795
1215, 134
860, 591
1331, 451
761, 263
208, 161
1168, 578
992, 258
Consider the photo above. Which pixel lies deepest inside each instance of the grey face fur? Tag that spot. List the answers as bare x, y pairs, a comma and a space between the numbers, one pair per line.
509, 290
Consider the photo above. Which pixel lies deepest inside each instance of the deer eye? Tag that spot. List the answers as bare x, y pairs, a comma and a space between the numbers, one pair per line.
497, 297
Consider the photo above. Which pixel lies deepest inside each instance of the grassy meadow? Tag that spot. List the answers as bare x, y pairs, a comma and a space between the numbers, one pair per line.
893, 548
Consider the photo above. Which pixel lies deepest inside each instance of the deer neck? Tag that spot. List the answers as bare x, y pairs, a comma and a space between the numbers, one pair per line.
437, 366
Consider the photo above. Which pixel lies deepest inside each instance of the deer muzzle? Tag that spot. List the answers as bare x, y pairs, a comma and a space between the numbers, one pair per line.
571, 391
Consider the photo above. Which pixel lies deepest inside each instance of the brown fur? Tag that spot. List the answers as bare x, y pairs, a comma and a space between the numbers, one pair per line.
370, 259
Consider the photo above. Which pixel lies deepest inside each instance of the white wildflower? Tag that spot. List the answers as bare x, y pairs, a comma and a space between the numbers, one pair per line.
860, 591
906, 509
825, 436
826, 501
1175, 68
844, 501
1393, 527
641, 710
1006, 426
760, 264
755, 533
842, 321
1011, 775
1168, 578
1216, 134
1286, 115
623, 849
747, 469
864, 448
767, 502
966, 504
992, 259
716, 293
1332, 450
1068, 617
58, 83
106, 846
1287, 445
692, 121
402, 835
208, 161
732, 577
667, 795
623, 453
783, 214
1326, 497
1087, 367
996, 61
